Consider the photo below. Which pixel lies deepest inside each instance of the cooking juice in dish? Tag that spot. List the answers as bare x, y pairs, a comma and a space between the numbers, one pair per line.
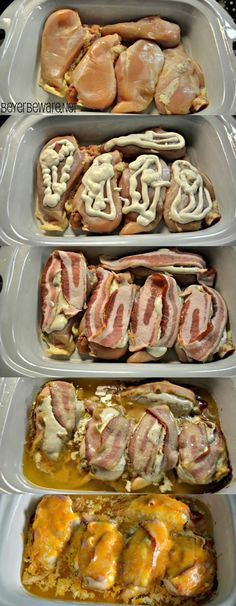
65, 472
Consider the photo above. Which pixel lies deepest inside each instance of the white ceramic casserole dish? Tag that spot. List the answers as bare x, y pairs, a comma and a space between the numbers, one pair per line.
17, 396
22, 352
15, 512
207, 34
211, 146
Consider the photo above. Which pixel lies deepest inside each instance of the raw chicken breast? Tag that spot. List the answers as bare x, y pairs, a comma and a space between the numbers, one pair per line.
93, 82
151, 28
137, 71
62, 39
181, 86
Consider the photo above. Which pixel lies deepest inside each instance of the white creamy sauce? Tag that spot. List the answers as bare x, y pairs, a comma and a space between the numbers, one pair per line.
106, 415
168, 398
54, 433
97, 179
175, 269
157, 141
191, 184
150, 171
157, 352
50, 159
157, 437
60, 321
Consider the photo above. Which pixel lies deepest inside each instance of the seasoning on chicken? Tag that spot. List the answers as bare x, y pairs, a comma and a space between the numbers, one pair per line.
97, 203
62, 40
181, 86
149, 28
137, 70
190, 200
93, 81
143, 188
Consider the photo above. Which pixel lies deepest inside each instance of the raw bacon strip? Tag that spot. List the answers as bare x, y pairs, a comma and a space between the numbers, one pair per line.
49, 292
173, 262
181, 86
105, 324
62, 39
166, 418
155, 315
53, 217
202, 322
73, 280
150, 28
202, 453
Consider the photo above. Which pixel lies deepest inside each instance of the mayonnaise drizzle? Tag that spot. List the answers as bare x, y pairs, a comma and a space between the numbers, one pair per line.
96, 179
49, 162
150, 171
157, 141
191, 184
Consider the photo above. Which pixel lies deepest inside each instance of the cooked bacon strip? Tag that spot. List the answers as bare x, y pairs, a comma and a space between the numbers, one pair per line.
141, 449
166, 418
53, 218
55, 415
202, 453
49, 292
113, 443
181, 86
92, 439
150, 28
62, 39
155, 314
107, 316
202, 323
169, 145
180, 400
165, 260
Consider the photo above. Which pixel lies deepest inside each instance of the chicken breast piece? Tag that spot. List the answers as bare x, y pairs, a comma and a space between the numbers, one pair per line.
150, 28
181, 86
93, 82
100, 552
174, 513
51, 528
191, 567
137, 70
143, 188
62, 39
97, 203
60, 165
144, 558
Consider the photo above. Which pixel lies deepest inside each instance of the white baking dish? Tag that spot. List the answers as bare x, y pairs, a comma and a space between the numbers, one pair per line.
15, 512
207, 33
211, 146
22, 351
17, 396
